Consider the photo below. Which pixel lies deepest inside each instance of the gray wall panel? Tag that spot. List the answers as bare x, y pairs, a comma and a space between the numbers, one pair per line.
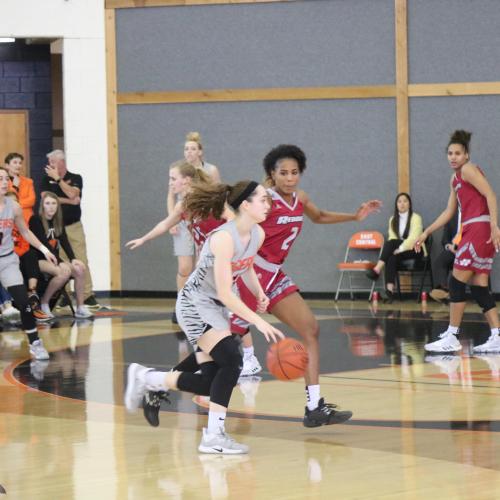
432, 122
310, 43
351, 157
453, 40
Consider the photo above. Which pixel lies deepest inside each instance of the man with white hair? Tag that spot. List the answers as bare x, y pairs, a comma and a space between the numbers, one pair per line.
68, 187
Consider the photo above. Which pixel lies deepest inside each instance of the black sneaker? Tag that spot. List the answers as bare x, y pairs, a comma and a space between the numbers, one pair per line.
389, 297
372, 275
151, 402
174, 318
91, 302
325, 414
34, 301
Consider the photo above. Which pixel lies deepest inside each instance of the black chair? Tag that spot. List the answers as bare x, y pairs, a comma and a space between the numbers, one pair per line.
417, 269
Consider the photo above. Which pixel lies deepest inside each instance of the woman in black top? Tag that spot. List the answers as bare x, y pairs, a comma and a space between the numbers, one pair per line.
49, 228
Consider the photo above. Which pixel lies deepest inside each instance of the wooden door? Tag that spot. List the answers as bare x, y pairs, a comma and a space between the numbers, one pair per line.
14, 136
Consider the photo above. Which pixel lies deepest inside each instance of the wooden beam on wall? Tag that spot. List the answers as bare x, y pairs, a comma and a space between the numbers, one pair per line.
453, 89
127, 4
113, 163
402, 120
266, 94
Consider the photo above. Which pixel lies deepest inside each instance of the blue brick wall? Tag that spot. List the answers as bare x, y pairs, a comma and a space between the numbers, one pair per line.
25, 84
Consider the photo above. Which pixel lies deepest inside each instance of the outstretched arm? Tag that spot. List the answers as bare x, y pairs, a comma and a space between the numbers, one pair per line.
160, 228
319, 216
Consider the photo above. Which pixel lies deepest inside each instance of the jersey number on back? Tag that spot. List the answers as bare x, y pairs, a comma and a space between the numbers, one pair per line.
289, 240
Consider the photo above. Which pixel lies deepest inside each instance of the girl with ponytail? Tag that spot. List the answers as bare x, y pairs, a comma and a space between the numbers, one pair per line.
471, 193
204, 303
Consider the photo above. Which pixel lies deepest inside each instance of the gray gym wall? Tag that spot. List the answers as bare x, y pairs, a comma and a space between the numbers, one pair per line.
350, 144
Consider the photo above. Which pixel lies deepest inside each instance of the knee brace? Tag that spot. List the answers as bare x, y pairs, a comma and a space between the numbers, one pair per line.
230, 361
483, 297
457, 290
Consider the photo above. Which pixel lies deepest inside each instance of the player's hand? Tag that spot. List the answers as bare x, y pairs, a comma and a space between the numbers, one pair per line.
52, 258
268, 330
495, 238
368, 208
133, 244
262, 303
174, 230
420, 241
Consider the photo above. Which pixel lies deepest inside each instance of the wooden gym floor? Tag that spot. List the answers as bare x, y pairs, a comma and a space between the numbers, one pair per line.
423, 427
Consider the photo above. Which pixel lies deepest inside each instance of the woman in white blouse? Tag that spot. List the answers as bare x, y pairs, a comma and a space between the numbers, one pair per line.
405, 226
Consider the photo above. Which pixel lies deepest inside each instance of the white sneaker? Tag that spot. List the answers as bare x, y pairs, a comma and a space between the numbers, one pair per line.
220, 443
447, 342
251, 366
38, 351
136, 386
83, 313
491, 345
11, 314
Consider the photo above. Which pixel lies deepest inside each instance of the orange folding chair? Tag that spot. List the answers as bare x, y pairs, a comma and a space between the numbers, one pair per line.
361, 245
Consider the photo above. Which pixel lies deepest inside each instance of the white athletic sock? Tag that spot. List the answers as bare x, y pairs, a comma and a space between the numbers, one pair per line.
495, 331
216, 420
155, 381
452, 329
248, 351
45, 308
312, 394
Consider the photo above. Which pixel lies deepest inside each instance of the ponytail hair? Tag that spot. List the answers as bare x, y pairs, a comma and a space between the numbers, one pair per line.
210, 199
461, 137
197, 175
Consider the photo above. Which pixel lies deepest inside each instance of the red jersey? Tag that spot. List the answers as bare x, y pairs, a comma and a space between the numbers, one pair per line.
200, 230
471, 202
282, 226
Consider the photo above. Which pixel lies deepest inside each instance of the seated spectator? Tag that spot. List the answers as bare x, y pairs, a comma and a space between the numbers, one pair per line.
444, 263
21, 185
405, 226
49, 228
28, 264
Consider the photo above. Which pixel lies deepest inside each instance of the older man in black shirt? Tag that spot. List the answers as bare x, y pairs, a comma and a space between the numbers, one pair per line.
68, 187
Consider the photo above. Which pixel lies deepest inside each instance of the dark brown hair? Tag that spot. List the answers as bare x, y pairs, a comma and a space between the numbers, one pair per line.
209, 199
461, 137
395, 218
11, 156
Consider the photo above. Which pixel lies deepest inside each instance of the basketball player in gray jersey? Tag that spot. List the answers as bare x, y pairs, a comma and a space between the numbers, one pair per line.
10, 274
203, 304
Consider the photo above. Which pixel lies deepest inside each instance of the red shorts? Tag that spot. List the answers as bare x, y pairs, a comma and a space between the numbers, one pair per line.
473, 253
276, 285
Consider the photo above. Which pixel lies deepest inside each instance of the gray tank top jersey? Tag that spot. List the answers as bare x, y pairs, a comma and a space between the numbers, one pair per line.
202, 280
6, 226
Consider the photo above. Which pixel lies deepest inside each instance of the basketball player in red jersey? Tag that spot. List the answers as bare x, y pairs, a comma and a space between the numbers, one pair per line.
283, 166
470, 191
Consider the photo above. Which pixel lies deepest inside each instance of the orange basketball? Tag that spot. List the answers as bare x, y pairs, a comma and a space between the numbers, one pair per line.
287, 359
